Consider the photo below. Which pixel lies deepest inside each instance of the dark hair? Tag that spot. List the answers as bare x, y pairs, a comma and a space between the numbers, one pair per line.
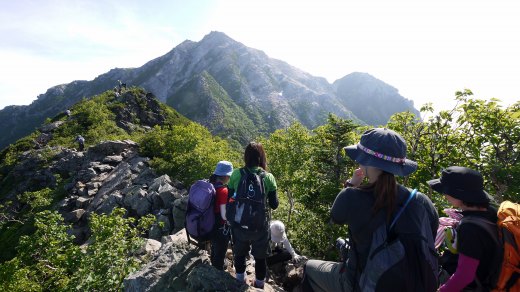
254, 155
385, 190
215, 178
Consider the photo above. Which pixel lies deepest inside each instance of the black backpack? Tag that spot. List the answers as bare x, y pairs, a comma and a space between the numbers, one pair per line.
401, 261
247, 208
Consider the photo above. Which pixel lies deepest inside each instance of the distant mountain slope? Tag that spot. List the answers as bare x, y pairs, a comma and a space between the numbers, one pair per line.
371, 99
246, 92
205, 101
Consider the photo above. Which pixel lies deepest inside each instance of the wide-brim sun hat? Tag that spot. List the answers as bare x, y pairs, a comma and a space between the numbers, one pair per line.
384, 149
224, 168
461, 183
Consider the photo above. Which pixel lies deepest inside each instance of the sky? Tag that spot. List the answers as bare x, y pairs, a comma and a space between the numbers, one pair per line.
427, 49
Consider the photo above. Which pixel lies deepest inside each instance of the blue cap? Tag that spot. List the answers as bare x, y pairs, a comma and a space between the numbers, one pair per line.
224, 168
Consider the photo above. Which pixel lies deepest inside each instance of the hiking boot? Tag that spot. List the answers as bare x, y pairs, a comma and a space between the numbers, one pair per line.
257, 287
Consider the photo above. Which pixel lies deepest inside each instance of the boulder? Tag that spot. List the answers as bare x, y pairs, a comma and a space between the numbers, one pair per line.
51, 127
138, 164
167, 194
113, 200
83, 202
93, 185
157, 202
86, 174
167, 239
68, 162
155, 232
168, 271
103, 168
179, 213
113, 159
43, 139
158, 182
165, 222
119, 179
150, 247
137, 201
207, 278
73, 216
146, 177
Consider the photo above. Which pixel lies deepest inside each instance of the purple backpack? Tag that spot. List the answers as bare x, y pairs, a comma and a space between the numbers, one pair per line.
200, 215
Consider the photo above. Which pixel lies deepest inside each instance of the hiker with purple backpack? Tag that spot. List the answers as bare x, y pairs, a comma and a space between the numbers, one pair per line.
251, 188
221, 236
205, 219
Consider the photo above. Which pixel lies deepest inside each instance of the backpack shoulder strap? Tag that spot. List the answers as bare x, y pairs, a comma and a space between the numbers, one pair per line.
401, 210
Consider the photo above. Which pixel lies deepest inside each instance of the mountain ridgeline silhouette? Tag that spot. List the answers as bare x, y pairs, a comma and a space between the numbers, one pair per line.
235, 91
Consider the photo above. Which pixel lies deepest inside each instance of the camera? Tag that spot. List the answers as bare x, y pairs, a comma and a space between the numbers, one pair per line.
342, 245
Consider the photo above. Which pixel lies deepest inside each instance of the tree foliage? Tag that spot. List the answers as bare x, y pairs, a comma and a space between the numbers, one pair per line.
186, 152
48, 260
311, 165
309, 168
478, 134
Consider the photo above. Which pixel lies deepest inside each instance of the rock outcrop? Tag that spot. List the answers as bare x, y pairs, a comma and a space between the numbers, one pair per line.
108, 175
112, 174
179, 266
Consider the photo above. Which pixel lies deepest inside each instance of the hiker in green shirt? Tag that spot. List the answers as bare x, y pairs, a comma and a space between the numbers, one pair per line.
250, 188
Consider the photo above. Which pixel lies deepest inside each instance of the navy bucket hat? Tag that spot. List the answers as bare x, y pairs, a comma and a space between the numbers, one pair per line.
461, 183
384, 149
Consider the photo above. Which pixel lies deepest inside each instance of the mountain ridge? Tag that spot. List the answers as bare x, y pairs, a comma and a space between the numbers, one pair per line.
269, 93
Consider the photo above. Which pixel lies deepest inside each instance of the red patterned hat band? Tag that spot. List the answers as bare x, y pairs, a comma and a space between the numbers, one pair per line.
380, 155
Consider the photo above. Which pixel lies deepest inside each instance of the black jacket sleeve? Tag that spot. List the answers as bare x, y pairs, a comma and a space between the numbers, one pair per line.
273, 200
337, 213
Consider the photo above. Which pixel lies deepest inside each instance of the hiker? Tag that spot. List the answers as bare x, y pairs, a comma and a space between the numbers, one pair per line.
248, 214
463, 188
281, 248
120, 86
221, 236
81, 142
386, 221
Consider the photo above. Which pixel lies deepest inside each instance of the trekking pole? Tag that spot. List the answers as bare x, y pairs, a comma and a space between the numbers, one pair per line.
230, 231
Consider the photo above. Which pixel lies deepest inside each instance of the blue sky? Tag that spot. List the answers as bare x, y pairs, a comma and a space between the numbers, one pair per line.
426, 49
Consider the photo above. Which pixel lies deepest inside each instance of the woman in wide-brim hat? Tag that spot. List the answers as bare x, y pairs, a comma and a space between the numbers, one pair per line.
381, 154
477, 245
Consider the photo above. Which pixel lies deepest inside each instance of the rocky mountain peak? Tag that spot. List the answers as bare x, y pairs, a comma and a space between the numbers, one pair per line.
217, 37
270, 94
371, 99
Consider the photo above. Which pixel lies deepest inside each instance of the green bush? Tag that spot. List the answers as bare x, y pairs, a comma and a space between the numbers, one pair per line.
187, 153
48, 260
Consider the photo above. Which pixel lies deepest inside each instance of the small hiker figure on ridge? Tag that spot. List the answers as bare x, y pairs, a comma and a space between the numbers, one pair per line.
81, 142
121, 86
